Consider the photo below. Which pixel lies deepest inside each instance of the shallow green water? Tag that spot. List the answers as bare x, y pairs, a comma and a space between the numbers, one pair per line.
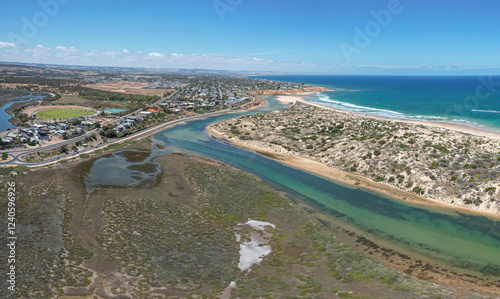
123, 169
449, 238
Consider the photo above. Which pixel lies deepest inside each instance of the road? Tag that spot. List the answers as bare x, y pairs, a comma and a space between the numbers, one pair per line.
134, 136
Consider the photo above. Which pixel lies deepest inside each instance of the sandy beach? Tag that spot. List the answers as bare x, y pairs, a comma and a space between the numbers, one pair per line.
297, 160
346, 178
287, 99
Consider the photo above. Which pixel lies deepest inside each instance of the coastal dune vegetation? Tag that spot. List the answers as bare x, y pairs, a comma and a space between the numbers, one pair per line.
437, 163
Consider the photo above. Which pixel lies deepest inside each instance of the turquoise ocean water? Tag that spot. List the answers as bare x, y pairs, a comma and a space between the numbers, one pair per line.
468, 100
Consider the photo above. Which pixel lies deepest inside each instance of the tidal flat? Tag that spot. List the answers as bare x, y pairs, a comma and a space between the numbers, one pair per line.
177, 238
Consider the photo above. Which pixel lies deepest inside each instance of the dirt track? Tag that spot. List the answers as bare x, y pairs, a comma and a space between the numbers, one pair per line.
128, 87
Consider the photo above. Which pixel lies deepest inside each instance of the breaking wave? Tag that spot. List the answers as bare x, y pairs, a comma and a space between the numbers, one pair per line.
349, 107
486, 111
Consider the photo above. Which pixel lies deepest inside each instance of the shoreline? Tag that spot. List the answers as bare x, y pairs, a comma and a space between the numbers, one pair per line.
351, 180
355, 180
286, 99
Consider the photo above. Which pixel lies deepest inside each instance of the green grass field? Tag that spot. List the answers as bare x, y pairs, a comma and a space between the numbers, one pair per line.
64, 113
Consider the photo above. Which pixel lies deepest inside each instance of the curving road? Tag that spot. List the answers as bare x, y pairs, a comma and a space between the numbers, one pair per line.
16, 154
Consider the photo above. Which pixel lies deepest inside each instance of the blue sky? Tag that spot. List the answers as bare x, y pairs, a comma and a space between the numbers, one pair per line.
321, 36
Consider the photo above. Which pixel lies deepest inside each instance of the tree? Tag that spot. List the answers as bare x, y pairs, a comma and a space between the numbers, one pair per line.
4, 156
110, 133
63, 149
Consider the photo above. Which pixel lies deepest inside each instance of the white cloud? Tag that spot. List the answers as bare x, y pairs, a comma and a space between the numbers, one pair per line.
6, 45
125, 58
155, 55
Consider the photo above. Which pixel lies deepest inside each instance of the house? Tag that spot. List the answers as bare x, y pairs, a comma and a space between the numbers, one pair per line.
14, 135
81, 129
61, 133
129, 122
27, 132
64, 126
88, 122
145, 113
7, 140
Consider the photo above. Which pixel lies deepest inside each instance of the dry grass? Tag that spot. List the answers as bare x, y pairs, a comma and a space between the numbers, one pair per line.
128, 87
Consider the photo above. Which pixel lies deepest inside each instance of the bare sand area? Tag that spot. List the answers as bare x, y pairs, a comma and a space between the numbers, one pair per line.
346, 178
287, 99
354, 179
128, 87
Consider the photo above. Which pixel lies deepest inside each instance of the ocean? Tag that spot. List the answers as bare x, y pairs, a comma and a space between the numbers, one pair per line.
466, 100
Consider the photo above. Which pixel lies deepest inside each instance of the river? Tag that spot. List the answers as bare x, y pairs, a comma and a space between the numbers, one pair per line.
14, 96
461, 241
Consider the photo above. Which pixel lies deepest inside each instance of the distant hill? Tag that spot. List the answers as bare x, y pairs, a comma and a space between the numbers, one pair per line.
138, 70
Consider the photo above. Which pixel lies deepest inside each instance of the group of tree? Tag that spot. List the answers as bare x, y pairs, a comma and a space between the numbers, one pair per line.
107, 131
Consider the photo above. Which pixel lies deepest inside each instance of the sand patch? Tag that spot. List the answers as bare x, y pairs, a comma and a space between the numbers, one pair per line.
129, 87
252, 252
287, 99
